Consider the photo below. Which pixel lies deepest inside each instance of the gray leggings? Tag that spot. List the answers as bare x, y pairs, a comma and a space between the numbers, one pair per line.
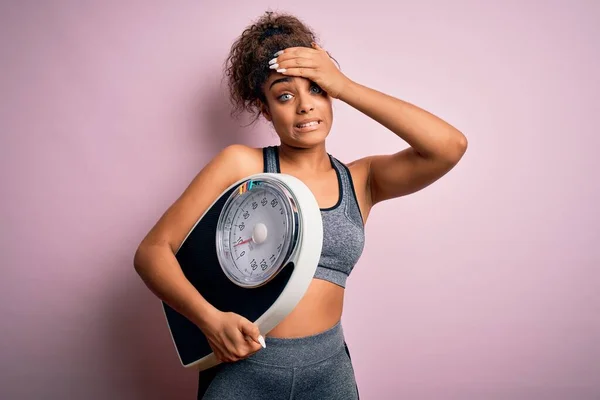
306, 368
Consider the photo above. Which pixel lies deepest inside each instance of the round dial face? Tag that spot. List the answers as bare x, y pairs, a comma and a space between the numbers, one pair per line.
256, 232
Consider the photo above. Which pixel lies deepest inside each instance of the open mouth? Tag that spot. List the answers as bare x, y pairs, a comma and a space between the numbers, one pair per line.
308, 124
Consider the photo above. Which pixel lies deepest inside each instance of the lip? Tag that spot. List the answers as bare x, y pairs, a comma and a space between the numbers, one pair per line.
308, 128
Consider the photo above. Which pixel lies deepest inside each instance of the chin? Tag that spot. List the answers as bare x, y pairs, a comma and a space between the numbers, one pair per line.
306, 141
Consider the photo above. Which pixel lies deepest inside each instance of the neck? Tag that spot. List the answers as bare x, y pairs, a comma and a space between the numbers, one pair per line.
310, 160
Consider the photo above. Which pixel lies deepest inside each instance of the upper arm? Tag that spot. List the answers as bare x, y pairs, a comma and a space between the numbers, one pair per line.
226, 168
405, 172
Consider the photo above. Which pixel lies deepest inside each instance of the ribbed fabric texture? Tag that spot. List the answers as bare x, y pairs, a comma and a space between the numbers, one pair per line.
343, 230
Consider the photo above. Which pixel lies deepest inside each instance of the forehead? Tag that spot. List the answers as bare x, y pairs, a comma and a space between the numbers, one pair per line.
276, 79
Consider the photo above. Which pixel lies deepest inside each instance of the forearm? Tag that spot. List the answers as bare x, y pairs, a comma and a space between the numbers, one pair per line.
160, 271
428, 134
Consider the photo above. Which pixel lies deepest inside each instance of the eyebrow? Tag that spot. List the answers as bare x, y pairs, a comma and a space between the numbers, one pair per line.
286, 79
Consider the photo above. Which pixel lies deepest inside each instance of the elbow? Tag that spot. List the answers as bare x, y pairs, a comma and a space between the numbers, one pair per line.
457, 148
140, 258
147, 252
462, 144
449, 150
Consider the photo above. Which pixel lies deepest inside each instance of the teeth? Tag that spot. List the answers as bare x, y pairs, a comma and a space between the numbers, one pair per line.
308, 124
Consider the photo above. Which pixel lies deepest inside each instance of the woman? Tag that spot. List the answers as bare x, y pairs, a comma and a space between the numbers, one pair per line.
276, 70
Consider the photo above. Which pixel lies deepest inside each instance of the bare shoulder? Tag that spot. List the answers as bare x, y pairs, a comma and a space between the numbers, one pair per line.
248, 159
360, 166
231, 164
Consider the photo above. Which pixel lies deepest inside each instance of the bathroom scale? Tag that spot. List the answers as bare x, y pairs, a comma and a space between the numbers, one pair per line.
253, 252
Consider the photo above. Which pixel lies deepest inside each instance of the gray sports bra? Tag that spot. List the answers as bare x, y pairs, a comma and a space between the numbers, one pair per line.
343, 229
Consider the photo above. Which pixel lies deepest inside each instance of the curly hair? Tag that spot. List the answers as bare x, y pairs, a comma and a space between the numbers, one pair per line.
247, 67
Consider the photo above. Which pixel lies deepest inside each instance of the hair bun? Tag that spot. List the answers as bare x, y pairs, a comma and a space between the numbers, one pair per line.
272, 29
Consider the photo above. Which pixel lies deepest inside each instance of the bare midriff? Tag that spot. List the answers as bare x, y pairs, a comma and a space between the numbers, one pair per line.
319, 309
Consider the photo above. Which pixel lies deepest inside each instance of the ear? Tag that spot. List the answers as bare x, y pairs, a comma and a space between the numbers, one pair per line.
264, 110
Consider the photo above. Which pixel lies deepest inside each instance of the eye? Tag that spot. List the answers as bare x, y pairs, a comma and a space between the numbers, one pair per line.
281, 98
316, 89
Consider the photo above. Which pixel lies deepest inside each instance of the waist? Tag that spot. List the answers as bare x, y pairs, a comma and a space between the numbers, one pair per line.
298, 351
320, 308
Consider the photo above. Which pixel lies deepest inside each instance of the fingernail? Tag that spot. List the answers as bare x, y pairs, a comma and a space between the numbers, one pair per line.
280, 52
261, 340
281, 70
274, 66
273, 61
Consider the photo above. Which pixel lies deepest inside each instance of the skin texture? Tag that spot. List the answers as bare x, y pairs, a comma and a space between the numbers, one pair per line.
304, 88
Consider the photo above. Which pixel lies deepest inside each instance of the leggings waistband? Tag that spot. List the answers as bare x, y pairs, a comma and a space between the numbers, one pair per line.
294, 352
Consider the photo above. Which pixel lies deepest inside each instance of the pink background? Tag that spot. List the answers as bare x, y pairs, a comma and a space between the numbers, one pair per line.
482, 286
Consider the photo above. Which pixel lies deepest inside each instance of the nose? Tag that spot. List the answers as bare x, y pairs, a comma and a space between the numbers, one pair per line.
306, 104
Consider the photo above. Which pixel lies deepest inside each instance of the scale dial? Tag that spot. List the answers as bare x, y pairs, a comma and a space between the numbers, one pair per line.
257, 231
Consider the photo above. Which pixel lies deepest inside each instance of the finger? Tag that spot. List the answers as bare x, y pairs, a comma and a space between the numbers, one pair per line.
308, 73
251, 330
218, 349
256, 345
296, 62
254, 348
221, 356
300, 50
233, 344
247, 348
293, 52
